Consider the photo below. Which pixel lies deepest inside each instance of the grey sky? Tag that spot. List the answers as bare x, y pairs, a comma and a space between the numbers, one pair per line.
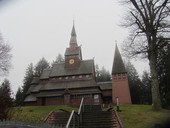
42, 28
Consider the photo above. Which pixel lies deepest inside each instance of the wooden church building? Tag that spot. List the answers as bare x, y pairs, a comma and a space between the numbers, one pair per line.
69, 81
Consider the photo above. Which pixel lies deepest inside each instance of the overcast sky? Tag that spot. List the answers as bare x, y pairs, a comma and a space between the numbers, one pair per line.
42, 28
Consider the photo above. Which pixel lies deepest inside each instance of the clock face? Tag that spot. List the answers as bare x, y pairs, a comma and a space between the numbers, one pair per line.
71, 61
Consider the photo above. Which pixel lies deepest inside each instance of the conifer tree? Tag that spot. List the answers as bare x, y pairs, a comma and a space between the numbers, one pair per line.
27, 80
18, 97
41, 65
6, 102
59, 59
102, 74
134, 83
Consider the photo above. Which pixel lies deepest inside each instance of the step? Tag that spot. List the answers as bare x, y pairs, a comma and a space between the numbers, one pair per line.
92, 108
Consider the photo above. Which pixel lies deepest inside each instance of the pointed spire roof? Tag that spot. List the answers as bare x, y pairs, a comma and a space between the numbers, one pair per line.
118, 65
73, 40
73, 32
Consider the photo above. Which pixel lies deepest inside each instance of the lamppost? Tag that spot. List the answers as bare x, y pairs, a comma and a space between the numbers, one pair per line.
117, 103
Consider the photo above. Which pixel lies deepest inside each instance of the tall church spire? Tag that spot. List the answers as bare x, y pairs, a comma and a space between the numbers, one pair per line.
118, 65
73, 40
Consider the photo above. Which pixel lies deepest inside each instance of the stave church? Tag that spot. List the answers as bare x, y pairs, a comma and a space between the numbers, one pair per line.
67, 82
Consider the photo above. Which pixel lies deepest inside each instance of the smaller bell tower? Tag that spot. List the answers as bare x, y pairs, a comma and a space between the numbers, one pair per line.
73, 55
120, 86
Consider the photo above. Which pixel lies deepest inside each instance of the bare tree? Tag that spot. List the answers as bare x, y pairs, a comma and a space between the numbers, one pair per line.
5, 57
149, 23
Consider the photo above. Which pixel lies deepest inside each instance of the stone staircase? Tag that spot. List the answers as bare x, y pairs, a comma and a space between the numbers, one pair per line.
94, 117
59, 119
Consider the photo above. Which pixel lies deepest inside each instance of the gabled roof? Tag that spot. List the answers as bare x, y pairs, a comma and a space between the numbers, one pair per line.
34, 88
70, 52
45, 74
86, 67
35, 80
30, 98
105, 85
118, 65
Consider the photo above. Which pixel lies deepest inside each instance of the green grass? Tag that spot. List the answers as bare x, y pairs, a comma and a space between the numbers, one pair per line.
37, 113
132, 116
142, 116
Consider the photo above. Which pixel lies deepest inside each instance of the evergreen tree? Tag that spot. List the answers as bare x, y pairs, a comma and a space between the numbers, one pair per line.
59, 59
146, 88
163, 67
27, 80
102, 74
134, 83
41, 65
18, 97
6, 101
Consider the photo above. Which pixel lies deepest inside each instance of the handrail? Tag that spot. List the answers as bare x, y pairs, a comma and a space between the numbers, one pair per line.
46, 118
81, 105
70, 118
118, 118
73, 114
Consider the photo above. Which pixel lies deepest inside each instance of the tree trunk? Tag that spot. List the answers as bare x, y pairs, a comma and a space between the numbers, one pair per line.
156, 101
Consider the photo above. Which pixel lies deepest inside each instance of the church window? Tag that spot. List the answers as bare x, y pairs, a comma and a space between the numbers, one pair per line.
96, 99
87, 76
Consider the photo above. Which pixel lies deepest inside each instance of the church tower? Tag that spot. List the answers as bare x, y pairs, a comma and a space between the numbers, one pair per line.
73, 55
120, 86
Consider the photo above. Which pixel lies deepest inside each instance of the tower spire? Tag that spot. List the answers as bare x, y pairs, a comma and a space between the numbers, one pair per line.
73, 40
118, 65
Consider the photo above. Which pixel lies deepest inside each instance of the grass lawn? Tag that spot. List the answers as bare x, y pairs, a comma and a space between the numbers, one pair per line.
142, 116
132, 116
37, 113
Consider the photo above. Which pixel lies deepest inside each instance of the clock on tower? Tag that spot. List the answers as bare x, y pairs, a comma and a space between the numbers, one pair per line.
71, 61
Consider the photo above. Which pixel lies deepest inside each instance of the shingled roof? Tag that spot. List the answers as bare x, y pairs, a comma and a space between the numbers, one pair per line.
35, 80
30, 98
86, 67
69, 85
70, 52
105, 85
72, 92
118, 65
45, 74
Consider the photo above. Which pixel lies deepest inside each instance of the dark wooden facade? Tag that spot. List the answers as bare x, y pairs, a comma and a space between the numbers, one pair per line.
69, 81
